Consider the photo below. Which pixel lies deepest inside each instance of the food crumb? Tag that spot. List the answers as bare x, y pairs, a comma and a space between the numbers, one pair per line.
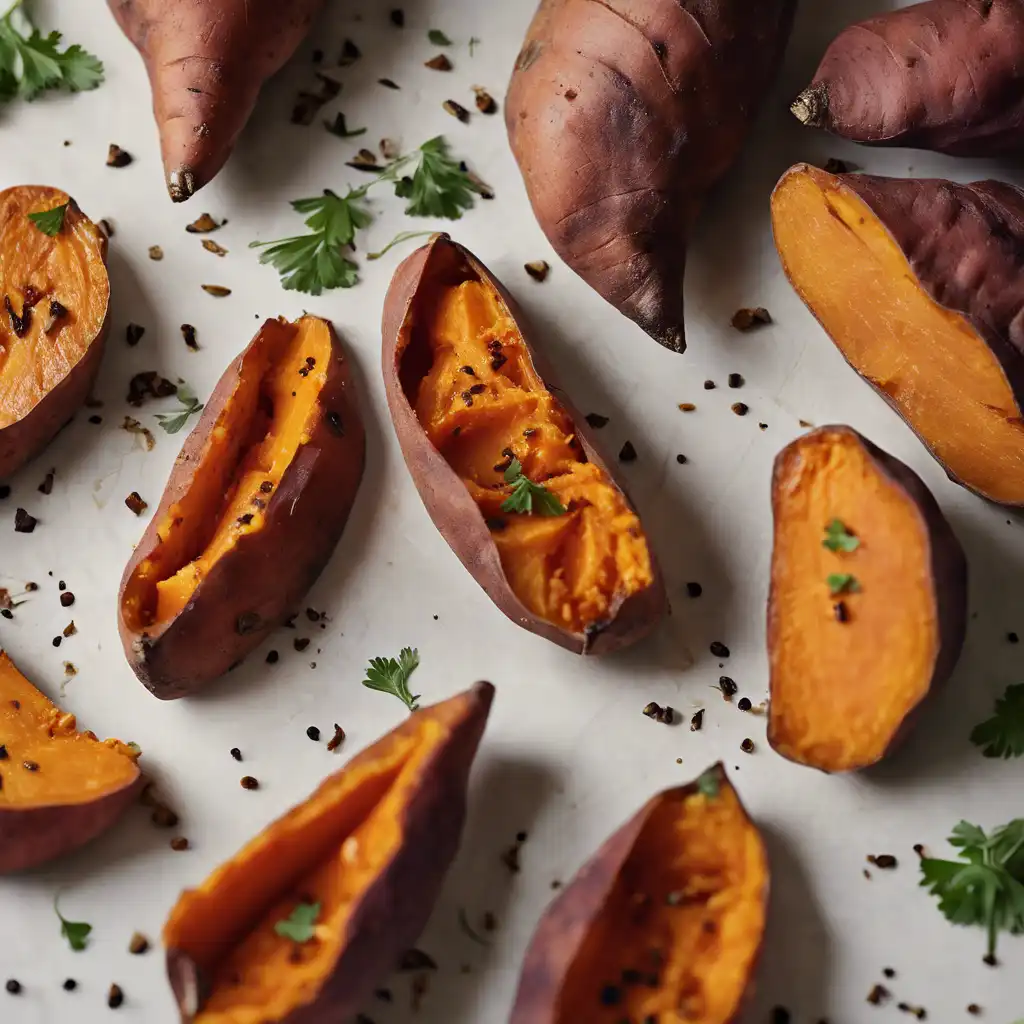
884, 861
13, 986
748, 319
438, 63
236, 753
138, 945
538, 269
627, 453
736, 380
719, 650
46, 487
1013, 638
740, 408
709, 385
69, 985
727, 686
878, 995
697, 721
249, 782
313, 733
681, 459
889, 972
744, 704
596, 420
156, 253
337, 739
179, 843
67, 599
115, 996
973, 1009
118, 157
747, 746
665, 714
780, 1015
188, 332
135, 503
23, 522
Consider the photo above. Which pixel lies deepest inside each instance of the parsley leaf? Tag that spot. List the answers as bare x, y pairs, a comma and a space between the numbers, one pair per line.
439, 186
75, 932
838, 538
986, 887
31, 62
438, 38
1002, 735
173, 422
390, 676
708, 784
300, 925
528, 497
842, 583
50, 221
402, 236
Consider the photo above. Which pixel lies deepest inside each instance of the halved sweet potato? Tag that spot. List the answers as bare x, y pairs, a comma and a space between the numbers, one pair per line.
55, 295
918, 283
664, 923
59, 787
470, 398
361, 862
868, 601
254, 506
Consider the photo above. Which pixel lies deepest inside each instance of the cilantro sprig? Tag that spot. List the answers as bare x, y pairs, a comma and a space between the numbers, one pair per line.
300, 924
76, 932
391, 676
50, 222
986, 886
31, 62
1002, 735
839, 538
190, 404
529, 497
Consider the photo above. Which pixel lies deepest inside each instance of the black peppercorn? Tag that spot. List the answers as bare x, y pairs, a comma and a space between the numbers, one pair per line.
744, 704
313, 733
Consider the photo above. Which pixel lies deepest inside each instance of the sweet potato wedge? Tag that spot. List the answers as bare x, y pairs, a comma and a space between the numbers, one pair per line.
255, 504
622, 116
918, 283
868, 602
360, 862
207, 60
946, 75
54, 318
59, 787
664, 923
471, 402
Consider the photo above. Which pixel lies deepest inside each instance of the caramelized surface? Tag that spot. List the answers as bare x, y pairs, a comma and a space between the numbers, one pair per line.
840, 690
573, 569
929, 361
35, 270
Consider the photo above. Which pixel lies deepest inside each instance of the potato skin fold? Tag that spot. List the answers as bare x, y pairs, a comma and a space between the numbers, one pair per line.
390, 913
207, 60
257, 584
621, 118
450, 505
28, 435
945, 75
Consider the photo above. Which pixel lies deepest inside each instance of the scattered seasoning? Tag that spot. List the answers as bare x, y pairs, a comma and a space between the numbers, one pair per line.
337, 739
727, 686
218, 291
439, 63
56, 641
719, 650
709, 385
889, 972
69, 669
149, 384
485, 102
61, 586
749, 319
627, 453
596, 420
179, 843
417, 960
67, 599
23, 522
694, 590
249, 782
6, 613
203, 224
188, 332
388, 83
13, 986
744, 704
69, 630
300, 643
313, 733
736, 380
740, 408
236, 753
687, 407
133, 334
973, 1009
780, 1015
118, 157
30, 766
138, 945
135, 503
681, 459
989, 959
1013, 638
46, 487
697, 721
918, 1011
272, 657
115, 997
919, 849
841, 612
398, 17
538, 269
884, 861
215, 247
878, 995
70, 985
350, 53
747, 746
665, 715
156, 254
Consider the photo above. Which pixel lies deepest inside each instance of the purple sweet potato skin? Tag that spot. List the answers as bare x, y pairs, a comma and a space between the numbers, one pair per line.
448, 502
946, 75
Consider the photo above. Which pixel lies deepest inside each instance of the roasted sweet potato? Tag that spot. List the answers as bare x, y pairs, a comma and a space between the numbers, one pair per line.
664, 923
868, 601
59, 787
207, 60
622, 116
54, 321
918, 283
471, 403
254, 506
945, 75
359, 864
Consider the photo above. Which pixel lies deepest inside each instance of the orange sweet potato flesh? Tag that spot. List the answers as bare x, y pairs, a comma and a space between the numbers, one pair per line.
848, 669
49, 355
370, 848
665, 923
917, 282
59, 787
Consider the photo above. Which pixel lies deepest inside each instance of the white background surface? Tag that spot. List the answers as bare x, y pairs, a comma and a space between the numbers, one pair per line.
568, 755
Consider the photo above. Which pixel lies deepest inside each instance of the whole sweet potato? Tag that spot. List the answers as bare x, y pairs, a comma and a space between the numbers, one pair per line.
312, 914
868, 602
918, 283
55, 297
622, 116
945, 75
255, 504
207, 60
505, 465
664, 923
59, 787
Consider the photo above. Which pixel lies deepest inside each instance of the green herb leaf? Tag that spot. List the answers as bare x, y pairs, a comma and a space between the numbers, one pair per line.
438, 38
838, 538
50, 221
190, 404
528, 497
76, 932
438, 187
402, 236
300, 925
339, 127
1002, 735
473, 44
709, 784
390, 676
842, 583
985, 887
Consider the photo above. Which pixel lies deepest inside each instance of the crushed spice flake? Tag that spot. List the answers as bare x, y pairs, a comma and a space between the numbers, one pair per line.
236, 753
747, 746
736, 380
364, 160
215, 247
138, 944
749, 319
457, 110
188, 332
350, 53
596, 420
300, 643
249, 782
397, 17
884, 861
710, 385
135, 503
156, 254
118, 157
69, 669
687, 407
133, 426
115, 997
697, 721
439, 63
627, 453
718, 649
740, 408
388, 83
728, 687
133, 334
694, 589
13, 986
203, 224
665, 715
149, 384
682, 459
69, 630
67, 599
46, 487
485, 102
744, 704
878, 995
218, 291
538, 269
974, 1009
23, 522
416, 960
337, 739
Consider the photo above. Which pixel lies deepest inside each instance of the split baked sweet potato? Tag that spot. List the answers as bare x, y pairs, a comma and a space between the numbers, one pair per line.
59, 787
664, 923
503, 463
918, 283
945, 75
55, 295
622, 116
868, 602
313, 913
255, 504
207, 60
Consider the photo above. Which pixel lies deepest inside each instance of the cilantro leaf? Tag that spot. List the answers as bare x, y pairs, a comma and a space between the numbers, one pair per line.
300, 925
842, 583
438, 38
76, 932
528, 497
838, 538
50, 221
439, 186
390, 676
190, 404
1002, 735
